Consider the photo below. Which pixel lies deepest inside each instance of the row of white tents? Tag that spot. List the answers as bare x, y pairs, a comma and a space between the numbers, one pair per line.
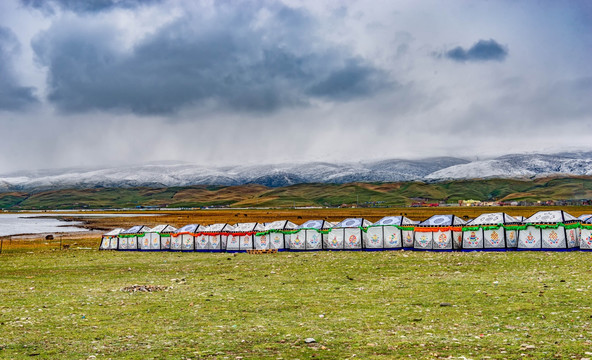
545, 230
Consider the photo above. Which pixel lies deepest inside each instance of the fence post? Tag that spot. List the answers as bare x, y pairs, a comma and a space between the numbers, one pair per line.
1, 244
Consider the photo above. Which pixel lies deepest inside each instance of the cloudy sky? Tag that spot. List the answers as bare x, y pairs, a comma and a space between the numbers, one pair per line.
98, 82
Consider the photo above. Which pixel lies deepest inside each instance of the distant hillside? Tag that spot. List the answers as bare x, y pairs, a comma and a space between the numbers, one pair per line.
253, 195
525, 166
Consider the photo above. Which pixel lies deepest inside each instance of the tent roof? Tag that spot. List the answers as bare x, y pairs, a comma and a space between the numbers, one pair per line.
136, 229
191, 228
316, 224
553, 216
443, 220
585, 216
279, 225
114, 232
353, 222
240, 227
163, 228
218, 227
394, 220
493, 219
519, 218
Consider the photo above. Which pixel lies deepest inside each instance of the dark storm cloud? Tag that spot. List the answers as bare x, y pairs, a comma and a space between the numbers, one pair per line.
85, 6
355, 79
229, 59
13, 96
482, 50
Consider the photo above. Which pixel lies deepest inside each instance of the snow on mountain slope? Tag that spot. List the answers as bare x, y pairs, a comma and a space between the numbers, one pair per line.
515, 166
185, 174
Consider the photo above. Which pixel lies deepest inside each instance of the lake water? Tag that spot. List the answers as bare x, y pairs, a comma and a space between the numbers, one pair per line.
15, 224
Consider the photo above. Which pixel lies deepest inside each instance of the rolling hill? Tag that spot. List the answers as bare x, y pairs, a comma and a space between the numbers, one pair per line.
255, 195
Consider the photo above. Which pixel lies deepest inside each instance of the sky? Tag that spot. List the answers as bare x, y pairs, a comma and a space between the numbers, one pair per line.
115, 82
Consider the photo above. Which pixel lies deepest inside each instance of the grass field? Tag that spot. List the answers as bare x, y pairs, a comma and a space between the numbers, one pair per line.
69, 304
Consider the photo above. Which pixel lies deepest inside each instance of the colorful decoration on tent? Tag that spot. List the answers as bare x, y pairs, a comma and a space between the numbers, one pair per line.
297, 242
246, 241
530, 238
408, 239
374, 239
334, 241
442, 240
353, 241
473, 239
553, 238
203, 241
155, 242
423, 240
314, 240
146, 242
263, 241
589, 240
277, 240
392, 239
572, 237
233, 240
187, 242
131, 243
176, 243
494, 238
214, 241
105, 243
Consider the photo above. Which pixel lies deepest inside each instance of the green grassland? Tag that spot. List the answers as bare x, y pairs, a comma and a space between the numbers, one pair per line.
389, 194
69, 304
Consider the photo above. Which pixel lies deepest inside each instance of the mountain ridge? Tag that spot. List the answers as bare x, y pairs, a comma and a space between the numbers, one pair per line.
166, 174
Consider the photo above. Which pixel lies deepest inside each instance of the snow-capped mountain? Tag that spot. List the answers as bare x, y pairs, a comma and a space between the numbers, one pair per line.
184, 174
517, 166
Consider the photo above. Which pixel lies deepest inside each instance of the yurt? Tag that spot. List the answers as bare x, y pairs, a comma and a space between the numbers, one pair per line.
213, 238
549, 230
110, 240
491, 231
439, 233
310, 235
130, 238
184, 238
390, 232
242, 237
275, 235
586, 234
347, 235
157, 238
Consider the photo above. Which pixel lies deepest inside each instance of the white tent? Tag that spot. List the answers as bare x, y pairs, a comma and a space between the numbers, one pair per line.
110, 240
309, 236
347, 235
440, 232
242, 237
586, 234
585, 217
184, 238
213, 237
549, 230
157, 238
390, 232
491, 231
519, 218
130, 238
272, 236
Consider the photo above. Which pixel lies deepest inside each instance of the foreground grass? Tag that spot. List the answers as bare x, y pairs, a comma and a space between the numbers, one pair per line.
70, 304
